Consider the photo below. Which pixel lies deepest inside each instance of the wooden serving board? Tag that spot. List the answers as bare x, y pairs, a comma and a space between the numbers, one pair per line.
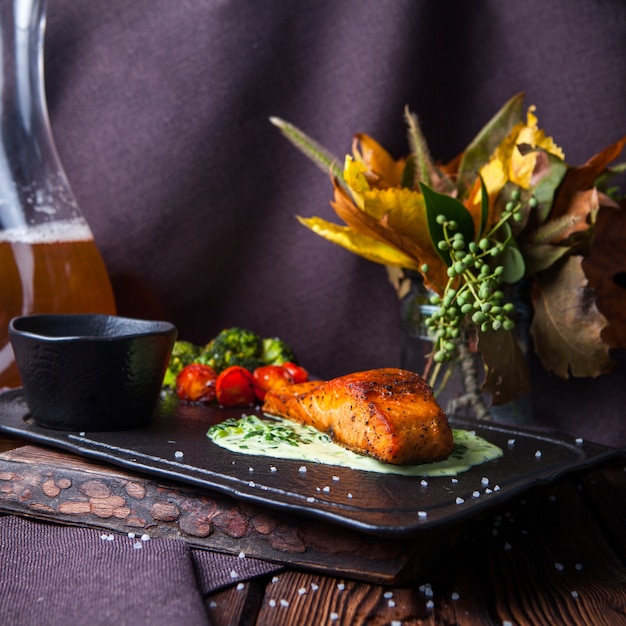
46, 484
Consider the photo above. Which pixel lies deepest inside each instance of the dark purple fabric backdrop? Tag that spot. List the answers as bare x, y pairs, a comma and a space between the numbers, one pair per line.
160, 112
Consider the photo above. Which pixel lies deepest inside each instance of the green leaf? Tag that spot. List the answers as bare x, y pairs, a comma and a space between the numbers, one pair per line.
484, 207
440, 204
409, 173
490, 137
513, 263
551, 176
539, 257
511, 258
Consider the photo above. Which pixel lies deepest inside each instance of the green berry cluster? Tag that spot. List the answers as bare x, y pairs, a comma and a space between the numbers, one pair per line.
473, 291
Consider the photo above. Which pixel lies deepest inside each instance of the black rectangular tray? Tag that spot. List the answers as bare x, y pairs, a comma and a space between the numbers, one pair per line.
175, 447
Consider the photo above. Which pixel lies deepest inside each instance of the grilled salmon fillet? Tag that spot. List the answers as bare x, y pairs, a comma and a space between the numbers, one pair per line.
389, 414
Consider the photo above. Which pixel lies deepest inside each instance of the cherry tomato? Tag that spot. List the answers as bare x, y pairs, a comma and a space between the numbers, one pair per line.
299, 374
235, 387
196, 383
269, 377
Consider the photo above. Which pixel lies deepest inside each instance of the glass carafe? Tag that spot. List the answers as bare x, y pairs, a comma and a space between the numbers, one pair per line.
49, 262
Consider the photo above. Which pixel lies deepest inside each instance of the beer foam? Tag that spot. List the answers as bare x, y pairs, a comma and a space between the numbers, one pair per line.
75, 229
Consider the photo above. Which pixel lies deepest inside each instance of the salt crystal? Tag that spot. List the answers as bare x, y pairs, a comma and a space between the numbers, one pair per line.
511, 443
455, 596
213, 604
391, 603
559, 567
336, 478
579, 441
240, 586
454, 481
301, 591
430, 604
251, 484
488, 491
131, 535
484, 480
578, 566
574, 594
145, 537
178, 454
138, 545
234, 573
459, 500
349, 495
272, 603
275, 579
396, 622
82, 433
302, 469
507, 546
388, 594
310, 499
326, 489
314, 586
334, 616
424, 483
538, 454
476, 494
496, 488
422, 514
242, 555
251, 469
284, 602
273, 468
341, 586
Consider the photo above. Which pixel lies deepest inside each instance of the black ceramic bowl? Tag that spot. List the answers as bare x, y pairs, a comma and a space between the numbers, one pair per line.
91, 372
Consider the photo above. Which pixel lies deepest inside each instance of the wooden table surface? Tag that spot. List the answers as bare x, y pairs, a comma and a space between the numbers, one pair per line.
554, 555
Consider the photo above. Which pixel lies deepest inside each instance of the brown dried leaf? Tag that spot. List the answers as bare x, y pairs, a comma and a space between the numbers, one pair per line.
605, 267
579, 214
506, 370
567, 324
584, 177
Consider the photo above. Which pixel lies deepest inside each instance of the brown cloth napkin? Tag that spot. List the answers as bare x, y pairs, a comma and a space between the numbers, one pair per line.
73, 576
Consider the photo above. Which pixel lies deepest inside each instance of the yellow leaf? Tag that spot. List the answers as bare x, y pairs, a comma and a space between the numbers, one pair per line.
387, 222
354, 175
378, 161
363, 245
517, 164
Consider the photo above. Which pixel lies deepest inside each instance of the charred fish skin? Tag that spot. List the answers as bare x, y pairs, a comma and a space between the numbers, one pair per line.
389, 414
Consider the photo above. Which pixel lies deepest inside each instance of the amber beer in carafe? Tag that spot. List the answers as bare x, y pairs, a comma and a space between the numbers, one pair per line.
50, 268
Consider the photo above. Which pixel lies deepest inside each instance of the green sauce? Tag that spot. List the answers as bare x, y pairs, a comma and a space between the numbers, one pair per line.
284, 439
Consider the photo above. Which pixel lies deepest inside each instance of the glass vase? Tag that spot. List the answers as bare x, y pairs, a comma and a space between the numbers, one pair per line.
49, 262
457, 385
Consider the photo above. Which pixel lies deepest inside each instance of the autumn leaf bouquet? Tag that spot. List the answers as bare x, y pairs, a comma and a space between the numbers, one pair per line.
508, 212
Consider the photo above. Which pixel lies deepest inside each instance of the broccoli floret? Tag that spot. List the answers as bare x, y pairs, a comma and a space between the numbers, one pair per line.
276, 352
183, 353
233, 346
